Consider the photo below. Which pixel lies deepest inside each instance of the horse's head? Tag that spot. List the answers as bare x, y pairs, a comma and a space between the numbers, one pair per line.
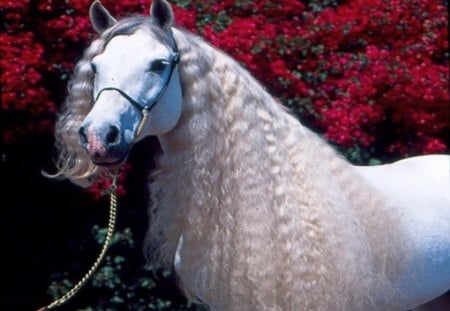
137, 90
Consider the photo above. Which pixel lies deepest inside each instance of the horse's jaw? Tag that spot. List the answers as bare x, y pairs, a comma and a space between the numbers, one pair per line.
166, 114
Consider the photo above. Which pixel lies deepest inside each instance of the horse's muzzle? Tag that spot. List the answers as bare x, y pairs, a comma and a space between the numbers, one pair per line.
104, 145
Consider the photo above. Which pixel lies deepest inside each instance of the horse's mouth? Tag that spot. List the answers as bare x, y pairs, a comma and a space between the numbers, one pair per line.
110, 162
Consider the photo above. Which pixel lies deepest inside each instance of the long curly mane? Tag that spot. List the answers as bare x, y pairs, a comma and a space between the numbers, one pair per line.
262, 212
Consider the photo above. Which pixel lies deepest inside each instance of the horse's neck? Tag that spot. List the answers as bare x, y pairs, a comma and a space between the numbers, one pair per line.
218, 94
237, 160
225, 110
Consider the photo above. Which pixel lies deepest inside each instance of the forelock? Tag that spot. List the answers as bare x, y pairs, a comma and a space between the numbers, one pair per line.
128, 26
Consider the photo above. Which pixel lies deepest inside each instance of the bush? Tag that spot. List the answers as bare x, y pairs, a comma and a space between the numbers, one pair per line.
371, 75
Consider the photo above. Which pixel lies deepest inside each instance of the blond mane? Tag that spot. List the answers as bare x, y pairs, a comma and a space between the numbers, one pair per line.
265, 208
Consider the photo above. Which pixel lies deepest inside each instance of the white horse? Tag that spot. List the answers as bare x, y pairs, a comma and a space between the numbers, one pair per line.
253, 210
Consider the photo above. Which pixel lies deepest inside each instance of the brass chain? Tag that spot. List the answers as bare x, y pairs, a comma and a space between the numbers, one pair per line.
109, 234
142, 123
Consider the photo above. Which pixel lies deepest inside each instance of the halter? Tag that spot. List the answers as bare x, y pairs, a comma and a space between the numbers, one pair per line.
146, 106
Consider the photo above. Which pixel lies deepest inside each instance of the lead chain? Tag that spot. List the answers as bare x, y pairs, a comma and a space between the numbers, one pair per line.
109, 234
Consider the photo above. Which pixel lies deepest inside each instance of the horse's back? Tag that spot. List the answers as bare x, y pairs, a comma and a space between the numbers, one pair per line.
419, 190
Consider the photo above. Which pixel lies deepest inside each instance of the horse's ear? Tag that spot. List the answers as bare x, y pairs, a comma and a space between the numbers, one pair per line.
162, 14
101, 19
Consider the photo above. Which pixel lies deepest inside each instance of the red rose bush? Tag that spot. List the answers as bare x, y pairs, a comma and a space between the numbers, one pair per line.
371, 76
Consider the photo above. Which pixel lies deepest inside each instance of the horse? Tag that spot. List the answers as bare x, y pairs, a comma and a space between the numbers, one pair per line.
252, 210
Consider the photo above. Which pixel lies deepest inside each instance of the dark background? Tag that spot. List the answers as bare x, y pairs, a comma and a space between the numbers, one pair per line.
47, 225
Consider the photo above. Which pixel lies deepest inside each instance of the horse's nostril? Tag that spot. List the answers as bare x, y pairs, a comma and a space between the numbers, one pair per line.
112, 137
82, 136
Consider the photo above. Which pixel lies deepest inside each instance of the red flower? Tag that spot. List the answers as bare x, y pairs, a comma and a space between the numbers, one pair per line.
350, 68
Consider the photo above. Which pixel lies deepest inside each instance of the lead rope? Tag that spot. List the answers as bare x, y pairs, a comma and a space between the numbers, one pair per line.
109, 233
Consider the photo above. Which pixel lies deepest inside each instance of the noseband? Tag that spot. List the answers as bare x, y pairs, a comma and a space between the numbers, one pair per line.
146, 106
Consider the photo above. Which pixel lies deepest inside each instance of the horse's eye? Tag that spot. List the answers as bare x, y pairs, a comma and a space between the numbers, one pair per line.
94, 68
158, 66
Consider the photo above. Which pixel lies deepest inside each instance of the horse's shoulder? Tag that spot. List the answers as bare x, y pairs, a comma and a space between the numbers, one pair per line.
418, 190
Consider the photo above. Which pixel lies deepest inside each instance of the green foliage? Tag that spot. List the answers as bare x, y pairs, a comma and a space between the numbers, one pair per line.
117, 287
181, 3
320, 5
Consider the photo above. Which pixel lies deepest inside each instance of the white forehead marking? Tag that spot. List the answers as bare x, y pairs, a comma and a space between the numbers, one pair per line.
125, 62
139, 46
